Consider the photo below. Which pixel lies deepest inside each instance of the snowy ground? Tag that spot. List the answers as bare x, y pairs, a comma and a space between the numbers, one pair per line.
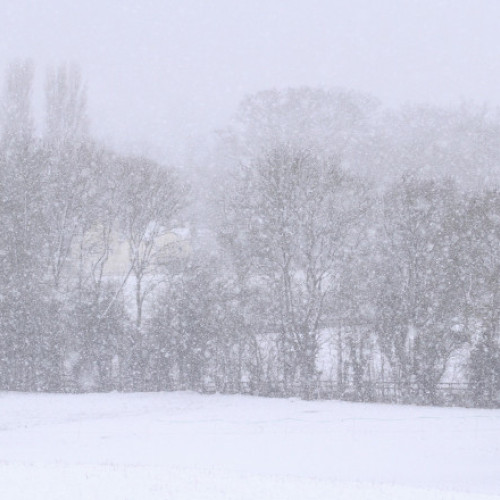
186, 446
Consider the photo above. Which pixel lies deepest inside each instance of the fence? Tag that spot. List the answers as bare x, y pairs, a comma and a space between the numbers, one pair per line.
443, 394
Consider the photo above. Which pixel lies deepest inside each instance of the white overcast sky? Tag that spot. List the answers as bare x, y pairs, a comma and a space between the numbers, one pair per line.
161, 71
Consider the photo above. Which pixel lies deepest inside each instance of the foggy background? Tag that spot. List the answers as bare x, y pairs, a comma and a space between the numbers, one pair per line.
163, 74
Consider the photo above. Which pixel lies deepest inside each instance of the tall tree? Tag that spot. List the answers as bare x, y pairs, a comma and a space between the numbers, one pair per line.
287, 219
417, 307
480, 261
66, 105
22, 305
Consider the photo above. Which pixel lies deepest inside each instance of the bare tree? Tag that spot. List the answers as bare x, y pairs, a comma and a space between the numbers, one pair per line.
480, 265
151, 197
288, 219
417, 306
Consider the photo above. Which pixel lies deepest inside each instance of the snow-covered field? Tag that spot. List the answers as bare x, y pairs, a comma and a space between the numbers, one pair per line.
187, 446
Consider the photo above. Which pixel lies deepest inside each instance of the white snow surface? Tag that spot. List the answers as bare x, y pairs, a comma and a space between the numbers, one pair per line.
188, 446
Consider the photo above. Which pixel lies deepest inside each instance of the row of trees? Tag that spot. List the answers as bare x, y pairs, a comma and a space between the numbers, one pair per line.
301, 269
65, 203
403, 285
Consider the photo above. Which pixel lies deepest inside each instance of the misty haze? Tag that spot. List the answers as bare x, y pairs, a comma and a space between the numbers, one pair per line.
250, 249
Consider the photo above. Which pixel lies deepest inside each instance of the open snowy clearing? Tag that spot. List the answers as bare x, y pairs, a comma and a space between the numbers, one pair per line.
188, 446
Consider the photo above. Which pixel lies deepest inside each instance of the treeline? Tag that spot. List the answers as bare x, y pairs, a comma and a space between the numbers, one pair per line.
301, 269
65, 203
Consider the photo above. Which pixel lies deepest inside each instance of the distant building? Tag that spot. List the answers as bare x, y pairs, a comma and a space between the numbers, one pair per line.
112, 252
